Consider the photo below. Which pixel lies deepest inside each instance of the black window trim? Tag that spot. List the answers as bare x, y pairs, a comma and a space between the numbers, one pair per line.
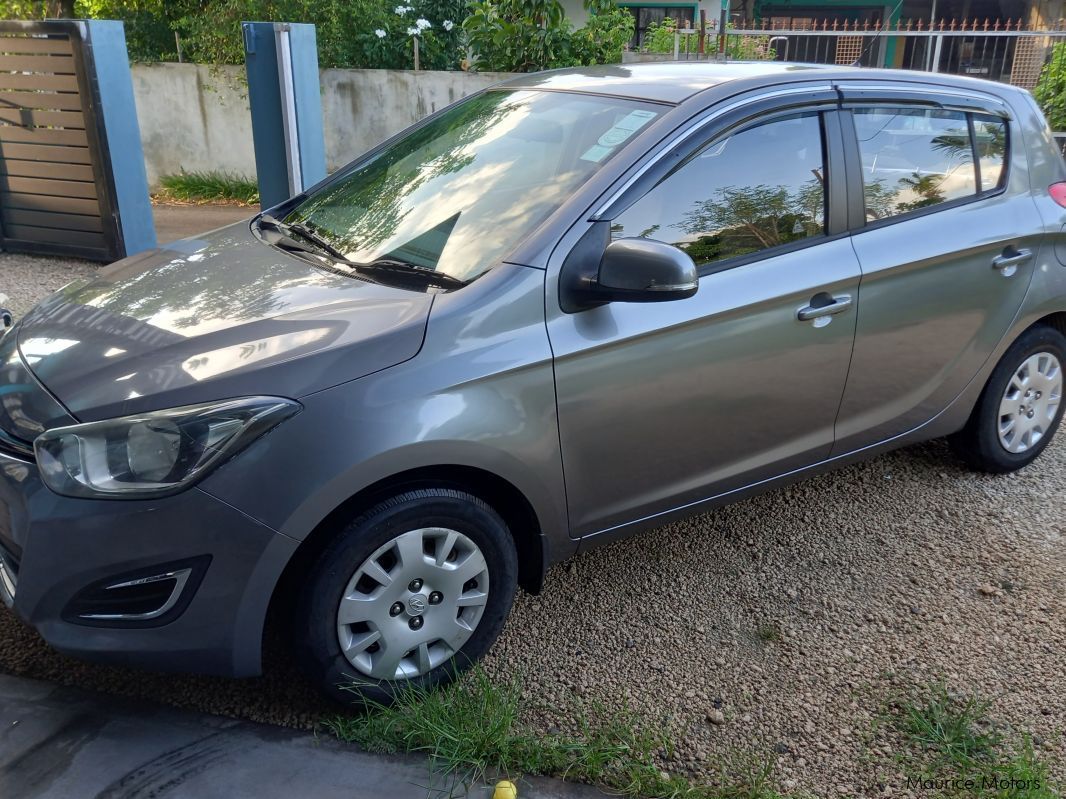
758, 112
907, 99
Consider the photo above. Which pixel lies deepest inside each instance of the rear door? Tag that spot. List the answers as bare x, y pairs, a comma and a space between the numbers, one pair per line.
946, 236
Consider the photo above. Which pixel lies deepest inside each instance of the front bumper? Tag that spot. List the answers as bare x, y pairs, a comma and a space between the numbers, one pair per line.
52, 548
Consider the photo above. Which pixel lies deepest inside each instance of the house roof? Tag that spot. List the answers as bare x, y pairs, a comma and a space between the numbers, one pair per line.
669, 82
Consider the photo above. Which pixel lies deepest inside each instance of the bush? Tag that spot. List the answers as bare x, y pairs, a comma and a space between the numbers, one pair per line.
605, 35
350, 33
530, 35
1050, 90
506, 35
659, 38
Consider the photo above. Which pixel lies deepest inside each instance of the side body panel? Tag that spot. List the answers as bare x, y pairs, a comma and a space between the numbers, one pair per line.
932, 305
479, 394
664, 403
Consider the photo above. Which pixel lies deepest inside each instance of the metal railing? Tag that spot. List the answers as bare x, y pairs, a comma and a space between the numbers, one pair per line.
994, 49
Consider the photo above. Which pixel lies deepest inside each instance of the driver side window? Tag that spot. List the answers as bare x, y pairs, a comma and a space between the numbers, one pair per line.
758, 189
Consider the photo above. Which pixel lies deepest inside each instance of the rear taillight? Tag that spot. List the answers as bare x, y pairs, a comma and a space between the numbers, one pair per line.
1058, 193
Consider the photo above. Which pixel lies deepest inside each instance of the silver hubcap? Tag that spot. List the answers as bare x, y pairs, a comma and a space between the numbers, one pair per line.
1030, 403
413, 603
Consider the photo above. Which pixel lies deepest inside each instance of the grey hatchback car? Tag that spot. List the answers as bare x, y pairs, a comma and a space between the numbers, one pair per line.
565, 309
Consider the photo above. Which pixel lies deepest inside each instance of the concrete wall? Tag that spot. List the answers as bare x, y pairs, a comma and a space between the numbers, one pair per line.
195, 118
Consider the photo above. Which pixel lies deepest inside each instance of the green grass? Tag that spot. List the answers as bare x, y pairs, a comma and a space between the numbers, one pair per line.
769, 632
208, 187
473, 731
954, 749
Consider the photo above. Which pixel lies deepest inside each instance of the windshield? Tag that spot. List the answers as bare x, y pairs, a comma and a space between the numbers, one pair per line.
456, 194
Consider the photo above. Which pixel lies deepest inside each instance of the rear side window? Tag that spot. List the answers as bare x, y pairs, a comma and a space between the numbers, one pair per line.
758, 189
990, 142
915, 158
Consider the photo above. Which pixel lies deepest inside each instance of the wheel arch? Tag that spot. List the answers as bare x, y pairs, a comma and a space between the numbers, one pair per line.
501, 495
971, 396
1056, 320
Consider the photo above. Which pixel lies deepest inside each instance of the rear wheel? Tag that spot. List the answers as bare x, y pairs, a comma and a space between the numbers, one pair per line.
1021, 406
413, 591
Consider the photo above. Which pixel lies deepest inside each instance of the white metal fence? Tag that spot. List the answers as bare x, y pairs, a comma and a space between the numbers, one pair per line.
996, 50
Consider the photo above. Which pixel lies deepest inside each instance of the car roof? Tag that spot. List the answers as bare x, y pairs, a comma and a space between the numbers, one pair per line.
676, 81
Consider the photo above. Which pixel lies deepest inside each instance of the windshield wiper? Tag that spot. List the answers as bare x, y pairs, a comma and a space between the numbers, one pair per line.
304, 232
397, 267
381, 266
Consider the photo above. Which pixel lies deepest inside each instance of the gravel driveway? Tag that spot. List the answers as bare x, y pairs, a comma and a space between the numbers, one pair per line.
777, 626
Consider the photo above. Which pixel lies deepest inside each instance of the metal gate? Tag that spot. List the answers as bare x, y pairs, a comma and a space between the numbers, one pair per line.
56, 185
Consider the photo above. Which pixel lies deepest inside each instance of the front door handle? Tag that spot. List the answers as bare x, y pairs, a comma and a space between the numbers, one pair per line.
1007, 263
824, 304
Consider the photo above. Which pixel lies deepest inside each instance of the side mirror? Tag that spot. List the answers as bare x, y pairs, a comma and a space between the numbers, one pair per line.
644, 270
597, 271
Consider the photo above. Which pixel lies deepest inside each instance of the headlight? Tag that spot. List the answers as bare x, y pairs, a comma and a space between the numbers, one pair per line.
156, 453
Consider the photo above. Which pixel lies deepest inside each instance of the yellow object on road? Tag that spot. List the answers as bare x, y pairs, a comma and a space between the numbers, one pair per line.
505, 789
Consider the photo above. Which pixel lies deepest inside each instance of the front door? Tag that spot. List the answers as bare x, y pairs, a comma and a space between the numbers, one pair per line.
662, 405
947, 253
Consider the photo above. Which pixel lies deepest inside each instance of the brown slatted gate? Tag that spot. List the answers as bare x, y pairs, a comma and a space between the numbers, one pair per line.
54, 192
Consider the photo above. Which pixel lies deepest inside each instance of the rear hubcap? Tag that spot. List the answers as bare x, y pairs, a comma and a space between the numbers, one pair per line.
413, 604
1030, 403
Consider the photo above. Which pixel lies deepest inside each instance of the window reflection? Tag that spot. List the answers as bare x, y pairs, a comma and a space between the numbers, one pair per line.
991, 144
458, 192
913, 159
755, 190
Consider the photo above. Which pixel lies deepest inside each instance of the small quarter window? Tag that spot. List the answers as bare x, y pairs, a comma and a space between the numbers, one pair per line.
990, 142
913, 159
755, 190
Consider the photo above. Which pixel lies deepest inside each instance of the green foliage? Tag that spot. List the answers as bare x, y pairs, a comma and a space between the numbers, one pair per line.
206, 187
530, 35
1050, 90
149, 34
346, 30
951, 741
659, 38
473, 730
605, 35
519, 35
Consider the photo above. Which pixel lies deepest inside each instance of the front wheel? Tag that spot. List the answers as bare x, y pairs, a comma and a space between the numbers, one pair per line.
1021, 406
413, 591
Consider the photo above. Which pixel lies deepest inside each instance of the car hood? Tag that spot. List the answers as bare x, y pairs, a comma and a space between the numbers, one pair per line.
220, 316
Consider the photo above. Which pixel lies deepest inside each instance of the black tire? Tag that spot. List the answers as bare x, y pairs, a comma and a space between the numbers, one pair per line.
978, 443
318, 648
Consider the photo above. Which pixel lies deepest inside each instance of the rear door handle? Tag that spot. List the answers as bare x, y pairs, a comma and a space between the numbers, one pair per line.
824, 305
1007, 263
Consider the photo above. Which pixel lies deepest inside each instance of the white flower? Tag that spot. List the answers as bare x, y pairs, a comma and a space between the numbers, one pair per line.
400, 10
422, 24
380, 33
413, 31
448, 24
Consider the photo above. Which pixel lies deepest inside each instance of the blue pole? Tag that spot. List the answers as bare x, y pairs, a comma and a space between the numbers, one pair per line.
286, 105
122, 134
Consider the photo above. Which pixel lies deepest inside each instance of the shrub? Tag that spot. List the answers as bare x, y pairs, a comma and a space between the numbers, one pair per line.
659, 38
530, 35
1050, 90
